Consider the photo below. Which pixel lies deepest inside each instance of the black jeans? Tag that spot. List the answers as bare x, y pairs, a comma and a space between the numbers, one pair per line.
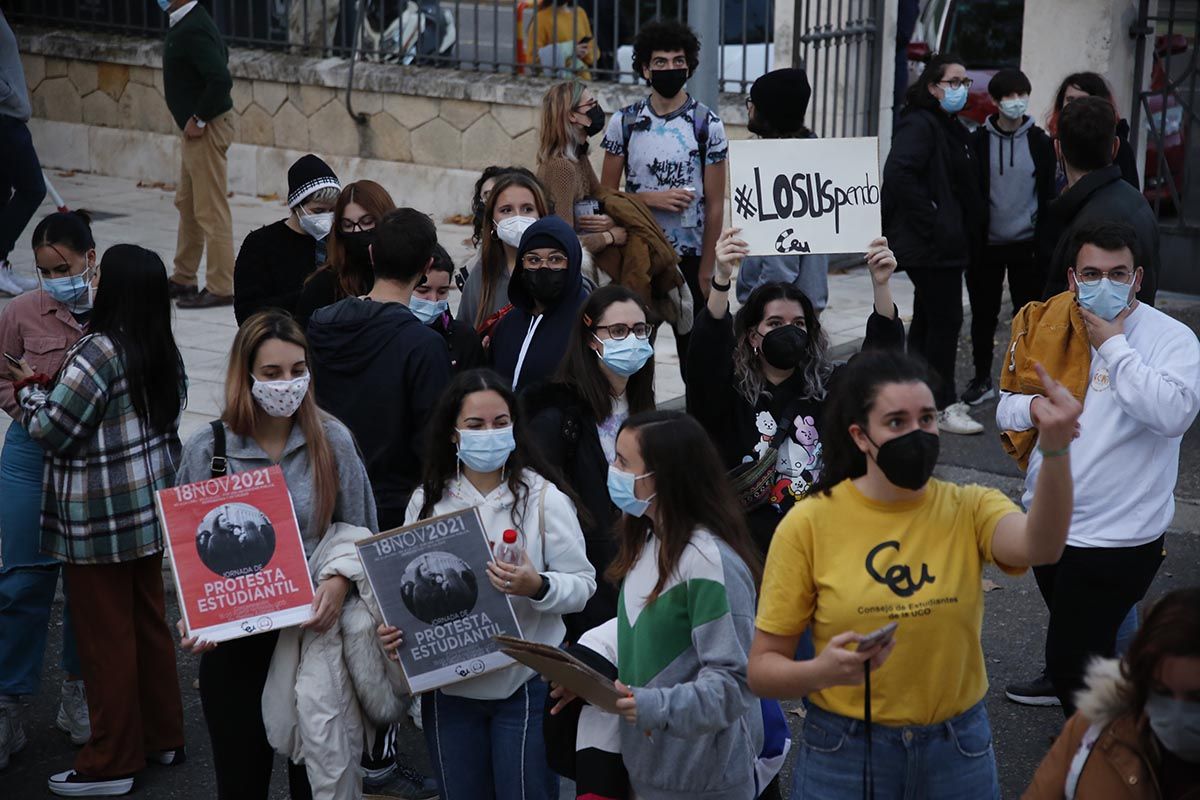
22, 185
985, 286
1089, 592
936, 322
690, 267
232, 678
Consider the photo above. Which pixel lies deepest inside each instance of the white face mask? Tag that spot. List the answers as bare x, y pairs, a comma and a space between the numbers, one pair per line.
1014, 109
511, 229
280, 398
317, 226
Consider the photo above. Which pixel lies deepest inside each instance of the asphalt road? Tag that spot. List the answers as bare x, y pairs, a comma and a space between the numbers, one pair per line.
1014, 625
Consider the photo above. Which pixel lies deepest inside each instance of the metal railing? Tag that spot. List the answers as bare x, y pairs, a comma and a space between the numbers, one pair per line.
483, 35
837, 43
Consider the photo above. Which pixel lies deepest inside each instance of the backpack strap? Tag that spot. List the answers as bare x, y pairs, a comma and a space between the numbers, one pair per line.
1090, 737
700, 128
629, 123
219, 466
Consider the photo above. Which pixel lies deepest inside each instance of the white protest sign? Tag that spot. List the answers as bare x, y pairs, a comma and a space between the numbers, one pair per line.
805, 195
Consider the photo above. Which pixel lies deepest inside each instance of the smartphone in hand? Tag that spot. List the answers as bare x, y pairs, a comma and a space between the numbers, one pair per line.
881, 636
16, 362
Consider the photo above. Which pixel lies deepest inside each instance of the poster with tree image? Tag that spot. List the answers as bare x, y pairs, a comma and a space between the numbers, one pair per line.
236, 554
431, 582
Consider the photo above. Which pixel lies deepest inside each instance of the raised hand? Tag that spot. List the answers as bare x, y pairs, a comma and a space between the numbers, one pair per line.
881, 261
1056, 413
730, 252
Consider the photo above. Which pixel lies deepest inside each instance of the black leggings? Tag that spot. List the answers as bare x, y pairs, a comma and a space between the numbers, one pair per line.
936, 322
232, 678
985, 287
690, 267
1089, 592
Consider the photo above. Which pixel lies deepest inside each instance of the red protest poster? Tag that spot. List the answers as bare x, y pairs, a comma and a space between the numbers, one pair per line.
236, 554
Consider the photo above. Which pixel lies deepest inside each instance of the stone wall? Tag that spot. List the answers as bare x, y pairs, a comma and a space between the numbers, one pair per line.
98, 106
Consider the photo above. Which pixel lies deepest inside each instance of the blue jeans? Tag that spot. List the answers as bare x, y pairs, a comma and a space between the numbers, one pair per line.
27, 579
947, 761
489, 749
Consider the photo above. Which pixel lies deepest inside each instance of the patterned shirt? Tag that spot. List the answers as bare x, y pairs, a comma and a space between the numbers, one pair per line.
663, 154
103, 466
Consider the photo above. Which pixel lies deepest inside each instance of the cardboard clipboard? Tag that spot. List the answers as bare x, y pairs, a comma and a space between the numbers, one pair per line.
563, 668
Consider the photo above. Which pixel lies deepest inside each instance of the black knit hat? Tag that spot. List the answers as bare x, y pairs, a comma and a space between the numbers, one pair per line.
309, 174
781, 98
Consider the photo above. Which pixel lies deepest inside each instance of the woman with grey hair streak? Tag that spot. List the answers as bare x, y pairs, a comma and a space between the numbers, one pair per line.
275, 260
758, 381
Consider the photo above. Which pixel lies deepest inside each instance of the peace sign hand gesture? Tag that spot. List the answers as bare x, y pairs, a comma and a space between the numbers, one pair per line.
1056, 414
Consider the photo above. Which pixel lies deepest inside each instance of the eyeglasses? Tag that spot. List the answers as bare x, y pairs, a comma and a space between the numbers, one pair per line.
553, 261
1091, 277
620, 331
362, 224
958, 83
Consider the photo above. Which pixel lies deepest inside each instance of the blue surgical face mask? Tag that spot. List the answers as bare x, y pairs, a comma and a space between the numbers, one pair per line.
427, 310
1176, 723
1014, 109
625, 356
486, 451
165, 5
1106, 299
72, 291
620, 490
953, 100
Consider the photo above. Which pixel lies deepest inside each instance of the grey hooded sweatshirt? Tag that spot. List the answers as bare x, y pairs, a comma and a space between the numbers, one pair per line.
1013, 185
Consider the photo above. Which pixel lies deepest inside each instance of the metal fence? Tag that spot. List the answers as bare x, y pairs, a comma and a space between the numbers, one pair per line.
837, 43
591, 38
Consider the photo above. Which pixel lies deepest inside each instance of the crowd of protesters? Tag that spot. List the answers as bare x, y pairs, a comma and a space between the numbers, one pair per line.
783, 539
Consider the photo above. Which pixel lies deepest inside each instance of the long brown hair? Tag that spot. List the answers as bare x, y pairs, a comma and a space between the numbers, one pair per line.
491, 255
692, 492
242, 414
1172, 628
353, 280
558, 137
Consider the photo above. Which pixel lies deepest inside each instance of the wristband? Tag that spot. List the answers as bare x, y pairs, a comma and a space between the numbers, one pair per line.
543, 590
720, 287
1054, 453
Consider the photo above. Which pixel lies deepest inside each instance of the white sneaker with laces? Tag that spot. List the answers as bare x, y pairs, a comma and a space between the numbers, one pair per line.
73, 713
12, 732
9, 285
957, 419
72, 784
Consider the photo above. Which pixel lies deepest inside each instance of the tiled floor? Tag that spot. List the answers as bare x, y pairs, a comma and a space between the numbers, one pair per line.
146, 216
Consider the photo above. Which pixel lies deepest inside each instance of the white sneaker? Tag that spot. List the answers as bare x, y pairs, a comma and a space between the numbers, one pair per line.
9, 285
72, 784
414, 713
73, 713
957, 419
12, 732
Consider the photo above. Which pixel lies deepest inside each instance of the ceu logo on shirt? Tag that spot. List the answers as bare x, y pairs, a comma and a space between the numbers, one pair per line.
897, 577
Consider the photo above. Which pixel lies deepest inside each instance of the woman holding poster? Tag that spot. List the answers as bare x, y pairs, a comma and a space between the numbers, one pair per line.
485, 733
109, 423
271, 418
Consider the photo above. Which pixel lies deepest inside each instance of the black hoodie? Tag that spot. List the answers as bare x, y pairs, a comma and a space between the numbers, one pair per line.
548, 342
380, 371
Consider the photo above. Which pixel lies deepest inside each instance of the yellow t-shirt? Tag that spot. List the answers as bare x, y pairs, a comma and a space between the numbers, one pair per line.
845, 562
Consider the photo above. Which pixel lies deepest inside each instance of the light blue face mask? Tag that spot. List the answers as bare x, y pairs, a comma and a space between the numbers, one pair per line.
71, 291
427, 310
1014, 109
1106, 299
486, 451
620, 490
625, 356
953, 100
165, 5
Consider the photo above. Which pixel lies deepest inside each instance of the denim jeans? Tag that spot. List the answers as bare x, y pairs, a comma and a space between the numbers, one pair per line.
489, 749
947, 761
27, 578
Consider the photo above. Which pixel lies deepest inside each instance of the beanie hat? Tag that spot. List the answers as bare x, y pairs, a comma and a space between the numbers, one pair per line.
781, 98
309, 174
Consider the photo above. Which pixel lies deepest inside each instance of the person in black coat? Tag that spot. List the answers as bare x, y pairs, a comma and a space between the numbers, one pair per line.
933, 211
275, 260
378, 369
1096, 192
431, 305
606, 376
1090, 84
546, 290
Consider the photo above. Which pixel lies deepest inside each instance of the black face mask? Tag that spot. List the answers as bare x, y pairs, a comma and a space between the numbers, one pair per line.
786, 347
668, 82
546, 285
908, 461
357, 246
596, 120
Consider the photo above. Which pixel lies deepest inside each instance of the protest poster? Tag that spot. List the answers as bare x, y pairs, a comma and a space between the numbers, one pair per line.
798, 196
236, 554
431, 582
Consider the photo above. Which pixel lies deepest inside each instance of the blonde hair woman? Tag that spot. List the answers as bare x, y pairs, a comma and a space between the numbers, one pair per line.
271, 418
570, 115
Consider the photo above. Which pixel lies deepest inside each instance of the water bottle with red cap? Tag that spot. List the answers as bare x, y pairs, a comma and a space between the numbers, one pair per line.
510, 551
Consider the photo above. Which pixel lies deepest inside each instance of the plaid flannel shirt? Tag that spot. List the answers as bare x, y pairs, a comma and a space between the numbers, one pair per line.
102, 464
